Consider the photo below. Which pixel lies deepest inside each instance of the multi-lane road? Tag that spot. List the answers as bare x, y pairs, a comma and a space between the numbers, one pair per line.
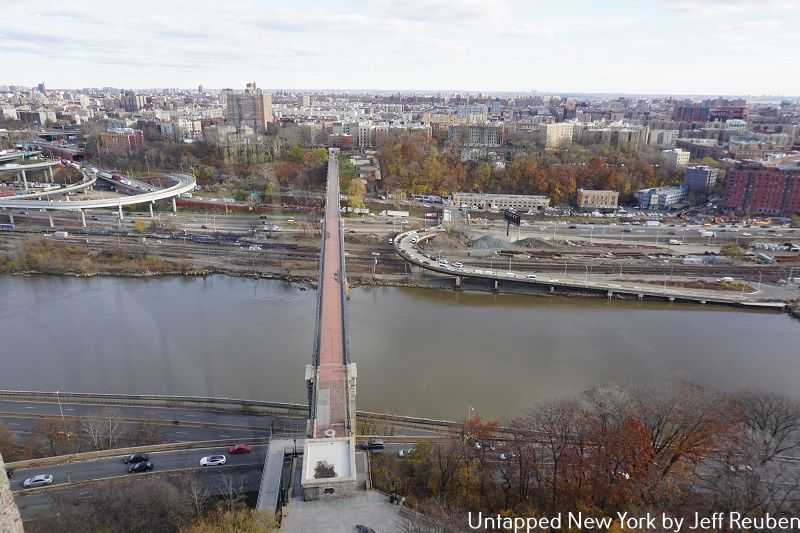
177, 425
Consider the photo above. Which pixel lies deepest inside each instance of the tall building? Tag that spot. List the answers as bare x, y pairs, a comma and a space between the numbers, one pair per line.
132, 102
303, 100
759, 190
251, 108
727, 112
700, 178
690, 113
471, 111
476, 136
676, 158
663, 137
557, 134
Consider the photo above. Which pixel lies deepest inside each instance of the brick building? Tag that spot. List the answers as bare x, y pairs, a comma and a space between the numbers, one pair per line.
759, 190
122, 139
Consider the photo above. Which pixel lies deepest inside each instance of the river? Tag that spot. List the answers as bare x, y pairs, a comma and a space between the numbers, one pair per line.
420, 352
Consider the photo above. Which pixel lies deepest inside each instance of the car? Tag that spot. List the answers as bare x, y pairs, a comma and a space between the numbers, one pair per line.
404, 452
490, 272
477, 271
263, 217
724, 279
213, 460
443, 261
23, 212
38, 481
204, 226
144, 466
573, 226
457, 264
373, 444
511, 275
136, 458
9, 472
239, 448
530, 276
95, 217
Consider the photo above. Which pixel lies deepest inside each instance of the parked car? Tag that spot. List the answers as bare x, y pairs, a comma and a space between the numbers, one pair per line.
144, 466
530, 276
373, 444
213, 460
9, 472
239, 448
136, 458
38, 481
404, 452
204, 226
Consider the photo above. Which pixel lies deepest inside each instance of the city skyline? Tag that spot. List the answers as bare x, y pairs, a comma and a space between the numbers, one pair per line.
661, 47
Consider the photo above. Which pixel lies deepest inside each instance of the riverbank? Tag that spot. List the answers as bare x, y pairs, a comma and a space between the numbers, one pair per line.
51, 257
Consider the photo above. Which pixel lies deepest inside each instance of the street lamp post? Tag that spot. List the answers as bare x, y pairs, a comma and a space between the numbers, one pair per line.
61, 410
469, 413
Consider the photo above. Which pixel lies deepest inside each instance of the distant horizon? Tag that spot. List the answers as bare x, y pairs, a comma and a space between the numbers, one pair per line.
420, 92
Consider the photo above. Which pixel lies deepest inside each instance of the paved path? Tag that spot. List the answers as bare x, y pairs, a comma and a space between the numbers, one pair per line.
331, 411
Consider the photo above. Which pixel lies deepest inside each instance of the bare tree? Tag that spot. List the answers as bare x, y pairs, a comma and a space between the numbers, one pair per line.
103, 431
772, 422
231, 488
195, 493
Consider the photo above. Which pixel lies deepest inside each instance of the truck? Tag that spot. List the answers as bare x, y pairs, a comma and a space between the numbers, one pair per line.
60, 234
706, 233
675, 242
652, 223
390, 213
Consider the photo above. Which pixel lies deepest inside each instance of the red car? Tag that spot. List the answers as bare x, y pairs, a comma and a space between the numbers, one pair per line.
240, 448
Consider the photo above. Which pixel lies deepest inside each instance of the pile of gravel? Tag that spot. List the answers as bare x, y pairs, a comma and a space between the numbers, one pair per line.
490, 243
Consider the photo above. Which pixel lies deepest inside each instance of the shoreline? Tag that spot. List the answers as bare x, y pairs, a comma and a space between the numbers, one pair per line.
792, 309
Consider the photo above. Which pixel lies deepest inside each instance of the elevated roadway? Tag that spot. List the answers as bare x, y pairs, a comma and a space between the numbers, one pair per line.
143, 193
406, 245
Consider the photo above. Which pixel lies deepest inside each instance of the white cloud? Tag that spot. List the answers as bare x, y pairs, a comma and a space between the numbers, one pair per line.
720, 8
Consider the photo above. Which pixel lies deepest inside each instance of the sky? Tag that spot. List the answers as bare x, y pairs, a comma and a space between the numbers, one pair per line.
716, 47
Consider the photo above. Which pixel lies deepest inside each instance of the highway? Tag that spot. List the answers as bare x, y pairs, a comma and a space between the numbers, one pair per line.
245, 468
178, 425
113, 466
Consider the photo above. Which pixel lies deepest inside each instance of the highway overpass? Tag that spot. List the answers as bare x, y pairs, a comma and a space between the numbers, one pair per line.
407, 246
182, 184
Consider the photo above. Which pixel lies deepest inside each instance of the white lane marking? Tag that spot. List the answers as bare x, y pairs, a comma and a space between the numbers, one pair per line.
30, 407
224, 436
181, 433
